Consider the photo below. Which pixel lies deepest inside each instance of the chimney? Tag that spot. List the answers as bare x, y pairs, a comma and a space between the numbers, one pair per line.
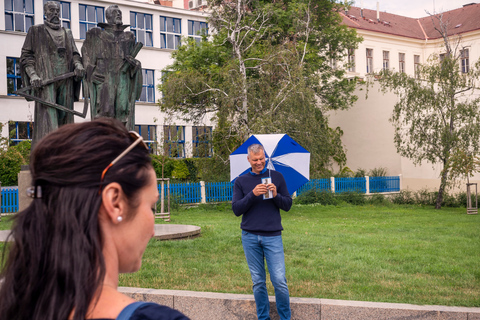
361, 9
378, 11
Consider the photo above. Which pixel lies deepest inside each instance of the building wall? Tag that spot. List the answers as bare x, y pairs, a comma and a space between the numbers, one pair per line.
154, 58
368, 134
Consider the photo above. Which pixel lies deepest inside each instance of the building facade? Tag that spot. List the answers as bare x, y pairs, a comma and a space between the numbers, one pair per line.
397, 43
159, 25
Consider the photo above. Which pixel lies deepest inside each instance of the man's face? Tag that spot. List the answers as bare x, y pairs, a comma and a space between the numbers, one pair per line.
257, 161
52, 13
115, 17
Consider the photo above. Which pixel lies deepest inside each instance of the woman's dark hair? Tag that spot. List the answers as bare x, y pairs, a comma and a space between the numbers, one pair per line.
55, 264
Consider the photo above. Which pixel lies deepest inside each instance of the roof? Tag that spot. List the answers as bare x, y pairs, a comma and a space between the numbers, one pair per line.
461, 20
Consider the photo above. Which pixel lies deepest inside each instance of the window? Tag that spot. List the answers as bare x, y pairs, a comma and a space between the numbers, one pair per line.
174, 138
196, 29
65, 16
89, 17
14, 79
18, 15
19, 131
351, 60
369, 60
464, 61
148, 87
141, 26
202, 141
401, 62
149, 135
386, 60
416, 64
170, 32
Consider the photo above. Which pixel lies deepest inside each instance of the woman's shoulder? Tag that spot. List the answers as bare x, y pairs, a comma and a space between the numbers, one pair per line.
153, 311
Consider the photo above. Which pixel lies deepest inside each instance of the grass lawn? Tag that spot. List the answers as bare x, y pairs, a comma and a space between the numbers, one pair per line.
404, 254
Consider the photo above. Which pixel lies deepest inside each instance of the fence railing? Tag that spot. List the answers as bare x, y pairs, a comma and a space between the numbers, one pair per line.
202, 192
9, 199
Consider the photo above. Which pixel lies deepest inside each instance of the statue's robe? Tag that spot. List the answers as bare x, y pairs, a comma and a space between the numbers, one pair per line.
113, 84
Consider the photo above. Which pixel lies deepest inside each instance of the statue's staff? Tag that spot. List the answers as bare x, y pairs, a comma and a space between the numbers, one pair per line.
23, 92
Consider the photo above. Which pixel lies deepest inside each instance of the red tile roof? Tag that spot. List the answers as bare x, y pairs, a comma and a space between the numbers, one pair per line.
459, 21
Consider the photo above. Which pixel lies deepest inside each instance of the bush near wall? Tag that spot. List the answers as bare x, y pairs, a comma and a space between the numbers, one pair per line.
11, 160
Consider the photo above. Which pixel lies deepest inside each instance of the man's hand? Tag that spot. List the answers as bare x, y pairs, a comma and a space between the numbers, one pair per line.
79, 72
264, 188
36, 81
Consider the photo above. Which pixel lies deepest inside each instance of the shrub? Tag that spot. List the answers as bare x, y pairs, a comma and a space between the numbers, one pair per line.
314, 196
378, 172
355, 198
403, 197
377, 199
11, 161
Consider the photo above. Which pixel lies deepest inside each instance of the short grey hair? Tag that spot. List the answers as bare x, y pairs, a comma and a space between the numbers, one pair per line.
50, 3
255, 148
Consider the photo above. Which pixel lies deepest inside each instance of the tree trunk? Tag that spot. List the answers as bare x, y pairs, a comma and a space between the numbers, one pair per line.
443, 183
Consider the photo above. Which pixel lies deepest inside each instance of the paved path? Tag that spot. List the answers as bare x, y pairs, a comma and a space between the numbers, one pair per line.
162, 232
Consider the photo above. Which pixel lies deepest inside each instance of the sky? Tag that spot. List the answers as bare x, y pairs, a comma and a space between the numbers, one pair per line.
413, 8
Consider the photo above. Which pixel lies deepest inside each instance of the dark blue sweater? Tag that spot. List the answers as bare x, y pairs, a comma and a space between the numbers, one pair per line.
261, 217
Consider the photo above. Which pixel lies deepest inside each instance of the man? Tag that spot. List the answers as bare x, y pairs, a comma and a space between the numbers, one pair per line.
114, 77
49, 51
262, 230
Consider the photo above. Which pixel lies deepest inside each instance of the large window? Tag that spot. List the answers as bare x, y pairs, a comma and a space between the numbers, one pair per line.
174, 139
141, 26
19, 131
148, 87
202, 141
416, 64
89, 17
386, 60
464, 60
170, 32
18, 15
401, 62
149, 135
351, 60
14, 79
196, 29
369, 53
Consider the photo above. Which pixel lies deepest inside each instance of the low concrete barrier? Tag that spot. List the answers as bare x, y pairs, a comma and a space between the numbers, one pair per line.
227, 306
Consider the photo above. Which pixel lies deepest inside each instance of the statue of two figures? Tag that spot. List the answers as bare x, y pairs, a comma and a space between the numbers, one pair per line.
52, 71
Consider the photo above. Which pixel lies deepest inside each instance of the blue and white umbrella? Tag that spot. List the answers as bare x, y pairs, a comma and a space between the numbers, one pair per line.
282, 154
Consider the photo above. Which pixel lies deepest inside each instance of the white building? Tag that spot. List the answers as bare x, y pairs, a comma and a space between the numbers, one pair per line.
398, 43
158, 27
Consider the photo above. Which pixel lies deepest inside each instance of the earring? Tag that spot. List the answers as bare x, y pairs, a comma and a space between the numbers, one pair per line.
119, 218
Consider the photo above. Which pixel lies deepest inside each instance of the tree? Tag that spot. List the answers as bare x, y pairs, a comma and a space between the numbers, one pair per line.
436, 114
270, 67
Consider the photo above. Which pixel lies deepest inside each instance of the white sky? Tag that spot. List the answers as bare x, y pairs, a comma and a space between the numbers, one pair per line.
413, 8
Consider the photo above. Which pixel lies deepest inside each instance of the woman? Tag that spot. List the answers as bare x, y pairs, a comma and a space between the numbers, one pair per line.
91, 218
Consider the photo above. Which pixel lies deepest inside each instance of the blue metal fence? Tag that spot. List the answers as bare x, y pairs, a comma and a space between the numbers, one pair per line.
351, 185
384, 184
9, 203
184, 192
317, 184
218, 191
222, 191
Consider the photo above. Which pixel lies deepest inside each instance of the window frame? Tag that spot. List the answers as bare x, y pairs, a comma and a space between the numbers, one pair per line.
369, 56
28, 11
179, 144
147, 87
18, 139
150, 138
464, 60
416, 64
196, 141
401, 62
147, 32
191, 28
386, 60
176, 34
351, 60
15, 76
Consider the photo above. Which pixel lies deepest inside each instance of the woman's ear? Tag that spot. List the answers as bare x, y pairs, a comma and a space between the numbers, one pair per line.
113, 202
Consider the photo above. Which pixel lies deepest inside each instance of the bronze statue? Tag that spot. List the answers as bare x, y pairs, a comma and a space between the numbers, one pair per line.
51, 69
114, 76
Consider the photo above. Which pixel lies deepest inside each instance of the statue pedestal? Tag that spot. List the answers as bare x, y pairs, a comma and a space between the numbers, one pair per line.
24, 181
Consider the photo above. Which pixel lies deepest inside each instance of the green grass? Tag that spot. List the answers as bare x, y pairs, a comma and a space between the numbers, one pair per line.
403, 254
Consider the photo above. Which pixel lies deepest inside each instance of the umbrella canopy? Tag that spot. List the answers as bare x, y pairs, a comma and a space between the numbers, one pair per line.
282, 154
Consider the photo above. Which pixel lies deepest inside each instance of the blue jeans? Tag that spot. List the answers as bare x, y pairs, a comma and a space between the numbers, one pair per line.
258, 249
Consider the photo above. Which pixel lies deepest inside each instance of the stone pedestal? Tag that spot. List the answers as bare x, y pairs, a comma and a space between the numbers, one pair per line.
24, 181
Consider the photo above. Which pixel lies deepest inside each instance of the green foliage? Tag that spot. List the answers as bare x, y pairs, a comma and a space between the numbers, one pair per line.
377, 200
313, 196
360, 173
378, 172
351, 197
11, 160
403, 197
212, 169
345, 172
180, 171
253, 82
